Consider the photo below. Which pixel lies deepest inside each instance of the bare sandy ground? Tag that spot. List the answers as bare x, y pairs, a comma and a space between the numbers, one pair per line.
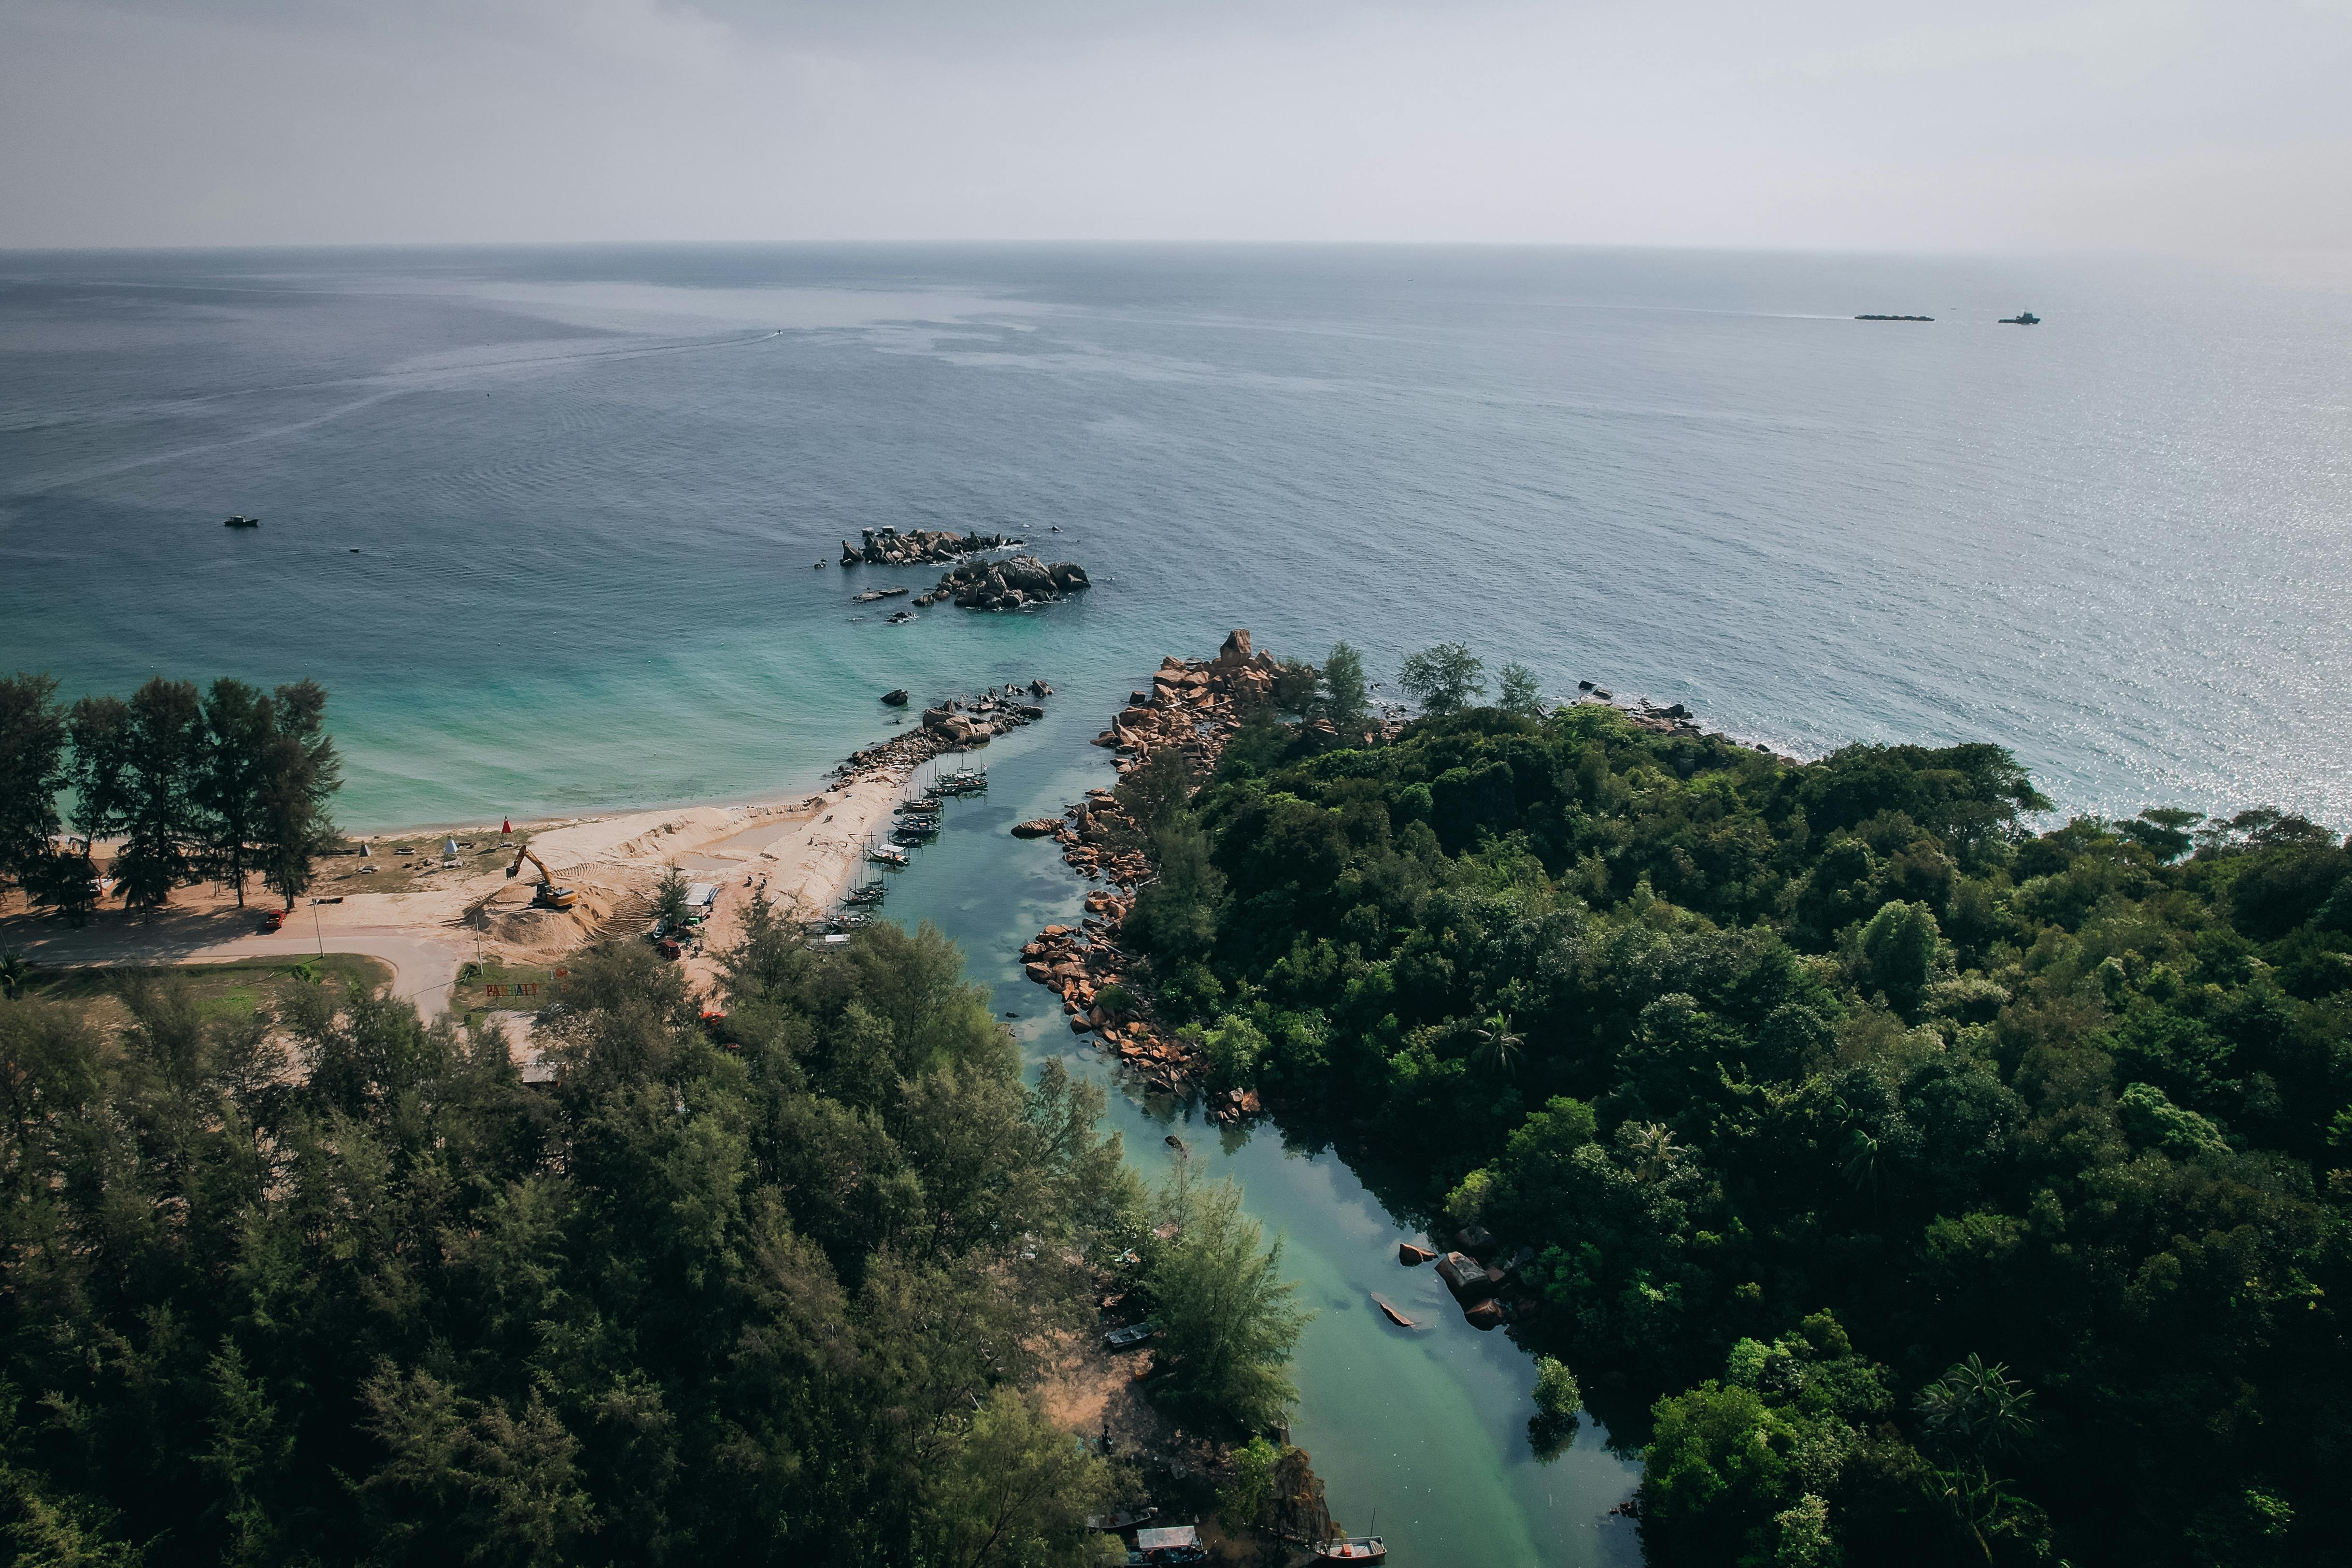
801, 853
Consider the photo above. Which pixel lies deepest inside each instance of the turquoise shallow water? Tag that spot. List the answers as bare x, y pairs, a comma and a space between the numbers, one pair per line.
543, 523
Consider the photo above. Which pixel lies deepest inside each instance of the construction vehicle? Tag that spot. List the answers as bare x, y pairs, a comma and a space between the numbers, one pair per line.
548, 896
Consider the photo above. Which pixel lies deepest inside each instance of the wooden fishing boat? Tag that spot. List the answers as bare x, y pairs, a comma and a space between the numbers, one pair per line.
1351, 1549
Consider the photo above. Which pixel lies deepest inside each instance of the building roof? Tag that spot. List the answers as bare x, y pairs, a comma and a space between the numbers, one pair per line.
1167, 1535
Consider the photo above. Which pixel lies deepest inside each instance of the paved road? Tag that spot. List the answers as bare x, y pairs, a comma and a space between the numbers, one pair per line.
424, 968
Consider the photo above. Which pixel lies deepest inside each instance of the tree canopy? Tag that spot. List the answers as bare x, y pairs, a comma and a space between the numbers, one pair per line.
1837, 1119
770, 1288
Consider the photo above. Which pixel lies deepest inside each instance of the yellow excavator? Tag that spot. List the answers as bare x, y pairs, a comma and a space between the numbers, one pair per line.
548, 896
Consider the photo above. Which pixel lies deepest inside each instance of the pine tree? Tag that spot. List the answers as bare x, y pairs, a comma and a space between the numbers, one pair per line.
162, 751
32, 770
299, 775
240, 727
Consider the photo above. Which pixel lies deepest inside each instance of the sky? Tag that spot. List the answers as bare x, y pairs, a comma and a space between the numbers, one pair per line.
2170, 126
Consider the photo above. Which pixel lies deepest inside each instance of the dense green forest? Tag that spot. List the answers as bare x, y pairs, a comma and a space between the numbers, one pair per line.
1913, 1185
765, 1289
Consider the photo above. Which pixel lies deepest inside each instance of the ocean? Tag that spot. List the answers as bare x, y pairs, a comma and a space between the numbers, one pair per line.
545, 523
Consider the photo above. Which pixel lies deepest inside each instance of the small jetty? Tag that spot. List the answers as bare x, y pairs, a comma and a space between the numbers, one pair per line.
1399, 1319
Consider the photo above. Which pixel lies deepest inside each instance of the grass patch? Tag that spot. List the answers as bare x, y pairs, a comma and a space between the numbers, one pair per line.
221, 990
412, 863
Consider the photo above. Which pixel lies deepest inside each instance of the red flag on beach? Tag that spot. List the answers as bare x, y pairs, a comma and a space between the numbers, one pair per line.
506, 825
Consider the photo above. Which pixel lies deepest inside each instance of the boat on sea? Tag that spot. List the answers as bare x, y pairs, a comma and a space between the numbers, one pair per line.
241, 522
888, 855
1351, 1549
2022, 318
927, 806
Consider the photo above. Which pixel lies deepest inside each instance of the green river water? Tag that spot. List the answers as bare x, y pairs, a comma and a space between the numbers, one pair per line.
1419, 1433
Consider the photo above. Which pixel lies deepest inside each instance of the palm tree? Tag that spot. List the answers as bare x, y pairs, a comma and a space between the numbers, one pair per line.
1498, 1048
1655, 1152
1977, 1410
16, 973
1972, 1415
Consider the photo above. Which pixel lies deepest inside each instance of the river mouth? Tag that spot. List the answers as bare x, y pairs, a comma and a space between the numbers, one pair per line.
1419, 1433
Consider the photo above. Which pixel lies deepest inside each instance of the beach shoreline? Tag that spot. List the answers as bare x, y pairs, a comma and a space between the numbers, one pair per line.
798, 848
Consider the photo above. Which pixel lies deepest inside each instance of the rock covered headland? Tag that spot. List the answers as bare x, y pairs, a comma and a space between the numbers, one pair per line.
1194, 707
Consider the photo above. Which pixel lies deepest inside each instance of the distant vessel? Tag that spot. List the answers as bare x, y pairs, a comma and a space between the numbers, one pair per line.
2022, 318
1895, 318
242, 522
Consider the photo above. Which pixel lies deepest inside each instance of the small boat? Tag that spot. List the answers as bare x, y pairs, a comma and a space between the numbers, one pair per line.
241, 522
1351, 1549
887, 853
927, 806
2022, 318
1133, 1334
1399, 1319
1125, 1518
872, 893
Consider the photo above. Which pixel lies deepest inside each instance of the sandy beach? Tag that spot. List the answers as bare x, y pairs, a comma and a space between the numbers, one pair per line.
801, 853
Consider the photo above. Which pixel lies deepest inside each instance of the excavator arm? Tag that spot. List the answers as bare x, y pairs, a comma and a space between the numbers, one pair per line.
522, 853
550, 895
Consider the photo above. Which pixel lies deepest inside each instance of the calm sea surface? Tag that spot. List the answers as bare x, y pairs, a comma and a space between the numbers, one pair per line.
543, 522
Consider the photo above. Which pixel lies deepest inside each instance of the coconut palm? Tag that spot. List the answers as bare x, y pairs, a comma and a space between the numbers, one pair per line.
1655, 1153
1498, 1049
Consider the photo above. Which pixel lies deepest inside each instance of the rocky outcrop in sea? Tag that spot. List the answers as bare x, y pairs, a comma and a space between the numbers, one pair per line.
924, 547
1009, 584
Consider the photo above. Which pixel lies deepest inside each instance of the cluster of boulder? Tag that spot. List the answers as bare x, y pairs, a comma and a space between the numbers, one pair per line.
1008, 584
1193, 706
1102, 844
970, 720
924, 547
1081, 965
1475, 1278
959, 722
1674, 718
